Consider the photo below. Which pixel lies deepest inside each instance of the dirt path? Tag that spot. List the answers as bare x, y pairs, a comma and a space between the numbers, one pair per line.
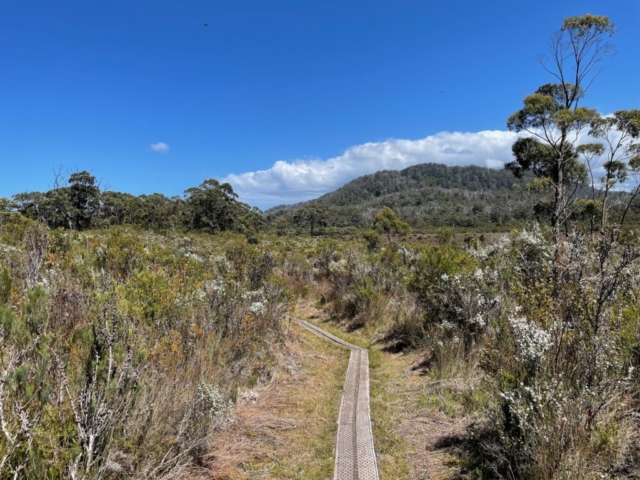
355, 454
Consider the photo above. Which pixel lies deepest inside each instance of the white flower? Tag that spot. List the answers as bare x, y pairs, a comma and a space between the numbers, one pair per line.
215, 286
250, 397
194, 257
477, 319
336, 267
212, 401
258, 308
532, 342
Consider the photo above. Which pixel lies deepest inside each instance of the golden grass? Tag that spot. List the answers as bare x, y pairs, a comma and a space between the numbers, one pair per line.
392, 449
412, 413
398, 390
289, 431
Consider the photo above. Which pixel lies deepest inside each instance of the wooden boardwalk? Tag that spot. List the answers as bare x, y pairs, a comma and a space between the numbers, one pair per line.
355, 454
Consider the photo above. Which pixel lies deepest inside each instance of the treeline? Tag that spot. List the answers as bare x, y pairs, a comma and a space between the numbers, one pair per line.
437, 208
81, 205
426, 196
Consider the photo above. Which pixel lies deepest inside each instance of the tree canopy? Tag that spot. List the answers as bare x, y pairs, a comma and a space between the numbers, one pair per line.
387, 222
80, 205
554, 121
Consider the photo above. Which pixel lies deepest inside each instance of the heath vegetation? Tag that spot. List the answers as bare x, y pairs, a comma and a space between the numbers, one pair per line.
123, 351
129, 325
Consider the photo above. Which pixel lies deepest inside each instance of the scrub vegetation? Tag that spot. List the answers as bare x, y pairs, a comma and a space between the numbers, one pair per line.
145, 337
123, 351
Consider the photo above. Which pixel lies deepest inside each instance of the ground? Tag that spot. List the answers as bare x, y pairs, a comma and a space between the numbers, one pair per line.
286, 428
418, 421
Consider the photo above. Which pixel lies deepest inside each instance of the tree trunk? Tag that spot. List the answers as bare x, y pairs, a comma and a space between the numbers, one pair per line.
556, 225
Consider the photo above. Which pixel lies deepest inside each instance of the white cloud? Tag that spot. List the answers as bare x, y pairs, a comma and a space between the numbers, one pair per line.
304, 179
160, 147
296, 180
493, 163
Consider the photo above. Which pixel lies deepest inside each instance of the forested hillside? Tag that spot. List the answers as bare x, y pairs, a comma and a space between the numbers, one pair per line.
428, 195
419, 178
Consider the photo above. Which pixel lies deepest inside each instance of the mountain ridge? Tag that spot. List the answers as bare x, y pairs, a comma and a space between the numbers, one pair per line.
427, 195
436, 175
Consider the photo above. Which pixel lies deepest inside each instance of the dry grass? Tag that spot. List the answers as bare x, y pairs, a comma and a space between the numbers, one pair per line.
287, 428
404, 401
416, 419
390, 448
289, 432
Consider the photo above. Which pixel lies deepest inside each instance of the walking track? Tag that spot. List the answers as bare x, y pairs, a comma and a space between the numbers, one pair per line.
355, 455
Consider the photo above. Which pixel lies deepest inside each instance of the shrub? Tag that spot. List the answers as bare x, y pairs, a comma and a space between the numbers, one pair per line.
121, 350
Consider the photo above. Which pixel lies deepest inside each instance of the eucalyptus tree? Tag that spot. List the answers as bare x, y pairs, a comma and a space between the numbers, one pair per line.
313, 216
83, 195
120, 208
619, 135
387, 222
553, 116
214, 207
7, 205
75, 206
280, 224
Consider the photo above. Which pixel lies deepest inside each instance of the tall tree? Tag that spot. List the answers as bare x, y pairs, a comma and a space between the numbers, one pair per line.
7, 205
214, 207
120, 208
84, 197
553, 117
280, 224
32, 205
313, 216
619, 133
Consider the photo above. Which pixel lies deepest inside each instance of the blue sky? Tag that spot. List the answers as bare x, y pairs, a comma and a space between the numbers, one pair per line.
284, 99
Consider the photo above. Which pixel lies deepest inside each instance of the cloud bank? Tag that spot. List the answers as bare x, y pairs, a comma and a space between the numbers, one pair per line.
298, 180
159, 147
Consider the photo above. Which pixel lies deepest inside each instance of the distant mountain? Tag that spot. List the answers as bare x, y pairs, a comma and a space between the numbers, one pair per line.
429, 195
420, 177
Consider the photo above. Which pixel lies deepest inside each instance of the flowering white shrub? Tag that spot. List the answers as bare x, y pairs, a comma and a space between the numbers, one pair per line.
532, 342
484, 252
337, 267
212, 401
250, 397
194, 257
464, 304
258, 308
